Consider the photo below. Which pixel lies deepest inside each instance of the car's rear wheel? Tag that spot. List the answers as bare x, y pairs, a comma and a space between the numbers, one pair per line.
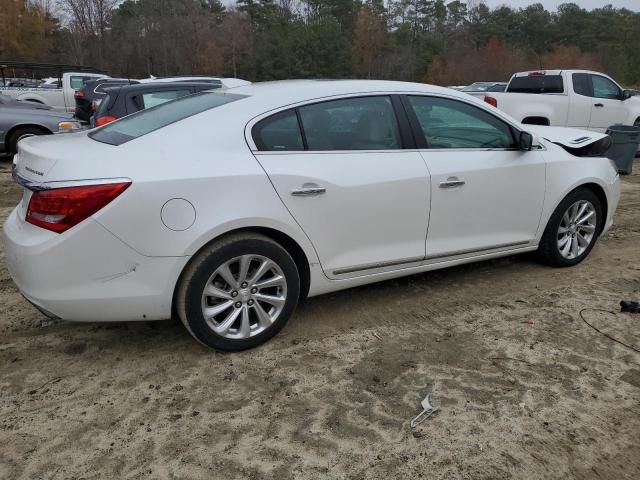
19, 134
239, 292
572, 230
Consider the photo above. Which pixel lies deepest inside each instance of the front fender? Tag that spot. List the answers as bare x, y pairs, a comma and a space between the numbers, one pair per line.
565, 173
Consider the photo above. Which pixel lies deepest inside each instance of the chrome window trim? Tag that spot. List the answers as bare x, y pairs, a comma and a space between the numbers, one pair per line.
254, 148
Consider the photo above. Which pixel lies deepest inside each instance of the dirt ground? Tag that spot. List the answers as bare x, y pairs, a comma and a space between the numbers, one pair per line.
525, 388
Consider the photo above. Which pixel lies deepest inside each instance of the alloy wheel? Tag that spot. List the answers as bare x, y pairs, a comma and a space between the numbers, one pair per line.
244, 296
577, 229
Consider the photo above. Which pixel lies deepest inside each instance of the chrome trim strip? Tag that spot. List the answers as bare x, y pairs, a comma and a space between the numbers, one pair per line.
372, 266
38, 186
476, 250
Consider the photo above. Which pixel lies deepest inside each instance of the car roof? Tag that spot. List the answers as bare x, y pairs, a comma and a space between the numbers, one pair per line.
285, 92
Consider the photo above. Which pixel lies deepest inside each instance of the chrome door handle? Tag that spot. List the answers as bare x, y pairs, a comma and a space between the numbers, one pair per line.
307, 191
452, 183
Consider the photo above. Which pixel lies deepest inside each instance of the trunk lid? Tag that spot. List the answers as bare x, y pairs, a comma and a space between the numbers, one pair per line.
75, 154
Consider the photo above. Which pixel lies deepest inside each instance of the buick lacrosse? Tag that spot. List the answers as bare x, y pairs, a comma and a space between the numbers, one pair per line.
226, 208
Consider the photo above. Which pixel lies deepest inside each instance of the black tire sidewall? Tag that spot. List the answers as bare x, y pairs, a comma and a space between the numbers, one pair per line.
195, 286
12, 142
550, 250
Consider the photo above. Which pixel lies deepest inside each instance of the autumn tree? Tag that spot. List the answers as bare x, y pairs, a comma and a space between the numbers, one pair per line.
25, 29
368, 42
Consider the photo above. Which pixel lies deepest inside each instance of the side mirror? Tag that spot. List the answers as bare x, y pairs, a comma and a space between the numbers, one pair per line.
526, 141
627, 94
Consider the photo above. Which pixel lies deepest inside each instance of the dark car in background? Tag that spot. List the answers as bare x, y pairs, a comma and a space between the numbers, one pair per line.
89, 97
128, 99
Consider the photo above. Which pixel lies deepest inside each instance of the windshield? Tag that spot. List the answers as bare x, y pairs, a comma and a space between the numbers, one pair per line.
477, 87
152, 119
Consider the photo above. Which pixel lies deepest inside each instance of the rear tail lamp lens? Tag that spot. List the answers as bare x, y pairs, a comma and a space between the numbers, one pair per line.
491, 101
104, 120
59, 209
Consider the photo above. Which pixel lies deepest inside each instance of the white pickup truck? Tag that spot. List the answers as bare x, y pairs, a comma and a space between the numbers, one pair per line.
60, 98
567, 98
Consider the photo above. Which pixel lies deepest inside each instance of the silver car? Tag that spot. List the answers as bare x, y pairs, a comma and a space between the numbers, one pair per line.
20, 119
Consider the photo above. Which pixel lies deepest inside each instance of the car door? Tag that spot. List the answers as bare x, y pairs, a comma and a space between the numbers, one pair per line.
340, 168
608, 107
487, 194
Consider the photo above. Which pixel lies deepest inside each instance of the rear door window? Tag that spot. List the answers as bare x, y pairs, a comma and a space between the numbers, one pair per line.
279, 133
582, 84
363, 123
536, 84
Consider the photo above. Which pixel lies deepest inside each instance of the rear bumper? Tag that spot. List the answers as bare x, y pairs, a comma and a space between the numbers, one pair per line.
87, 274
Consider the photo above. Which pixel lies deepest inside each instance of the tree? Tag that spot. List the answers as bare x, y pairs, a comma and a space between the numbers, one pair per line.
368, 42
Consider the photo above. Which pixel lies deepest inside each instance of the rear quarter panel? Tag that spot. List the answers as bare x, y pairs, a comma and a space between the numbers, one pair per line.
202, 160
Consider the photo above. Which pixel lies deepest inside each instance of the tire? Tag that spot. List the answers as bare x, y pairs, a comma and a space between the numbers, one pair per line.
236, 312
562, 229
19, 134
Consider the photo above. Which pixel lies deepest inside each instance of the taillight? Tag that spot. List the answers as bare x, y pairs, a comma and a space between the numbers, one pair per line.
491, 101
537, 74
78, 94
59, 209
104, 120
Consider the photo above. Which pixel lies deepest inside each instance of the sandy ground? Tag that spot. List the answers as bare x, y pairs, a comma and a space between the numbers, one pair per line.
525, 388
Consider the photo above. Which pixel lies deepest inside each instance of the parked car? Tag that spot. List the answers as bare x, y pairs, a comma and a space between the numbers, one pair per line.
222, 82
125, 100
88, 98
567, 98
8, 101
59, 99
478, 89
228, 207
20, 120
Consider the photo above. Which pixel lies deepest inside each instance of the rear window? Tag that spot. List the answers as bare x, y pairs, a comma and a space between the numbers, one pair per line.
155, 118
536, 84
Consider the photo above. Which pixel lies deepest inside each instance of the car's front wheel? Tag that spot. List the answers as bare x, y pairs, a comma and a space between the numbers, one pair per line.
239, 292
572, 230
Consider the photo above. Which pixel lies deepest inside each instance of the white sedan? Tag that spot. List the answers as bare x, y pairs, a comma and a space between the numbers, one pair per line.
227, 208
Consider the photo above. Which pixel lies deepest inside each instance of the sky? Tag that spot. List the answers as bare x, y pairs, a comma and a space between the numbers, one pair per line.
553, 4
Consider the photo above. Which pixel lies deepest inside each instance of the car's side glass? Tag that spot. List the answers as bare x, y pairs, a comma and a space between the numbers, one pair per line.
363, 123
78, 82
151, 99
582, 84
454, 124
279, 132
604, 88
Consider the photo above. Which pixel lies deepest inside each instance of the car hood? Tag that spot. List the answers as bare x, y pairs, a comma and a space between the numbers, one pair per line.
42, 115
578, 142
567, 137
24, 105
